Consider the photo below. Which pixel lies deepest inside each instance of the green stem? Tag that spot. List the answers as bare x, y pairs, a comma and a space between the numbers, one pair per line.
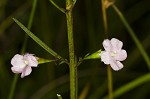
104, 18
132, 34
32, 14
110, 87
61, 9
16, 76
13, 86
109, 72
72, 65
29, 26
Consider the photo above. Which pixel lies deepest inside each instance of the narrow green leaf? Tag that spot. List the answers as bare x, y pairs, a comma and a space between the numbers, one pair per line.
38, 41
133, 35
131, 85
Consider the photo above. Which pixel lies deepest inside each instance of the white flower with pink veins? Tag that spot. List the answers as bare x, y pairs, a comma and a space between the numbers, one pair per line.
23, 63
113, 53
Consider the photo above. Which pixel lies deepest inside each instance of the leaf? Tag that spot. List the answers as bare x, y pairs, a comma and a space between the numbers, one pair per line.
38, 41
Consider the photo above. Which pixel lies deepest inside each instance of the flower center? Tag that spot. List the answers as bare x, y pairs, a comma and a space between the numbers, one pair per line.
112, 54
26, 62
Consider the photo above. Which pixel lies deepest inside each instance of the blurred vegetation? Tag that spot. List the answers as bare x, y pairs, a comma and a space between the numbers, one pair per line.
49, 24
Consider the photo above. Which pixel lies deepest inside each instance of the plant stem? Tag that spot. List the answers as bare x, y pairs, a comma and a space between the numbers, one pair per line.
13, 86
104, 18
109, 72
72, 65
29, 26
61, 9
16, 76
110, 87
132, 34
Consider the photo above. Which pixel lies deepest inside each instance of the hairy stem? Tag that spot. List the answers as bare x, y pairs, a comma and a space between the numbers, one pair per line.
72, 65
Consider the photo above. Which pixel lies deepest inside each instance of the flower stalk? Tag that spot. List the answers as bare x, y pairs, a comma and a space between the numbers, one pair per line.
13, 86
109, 72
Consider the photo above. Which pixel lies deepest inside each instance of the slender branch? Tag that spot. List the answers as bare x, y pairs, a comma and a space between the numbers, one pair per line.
134, 37
61, 9
109, 72
72, 65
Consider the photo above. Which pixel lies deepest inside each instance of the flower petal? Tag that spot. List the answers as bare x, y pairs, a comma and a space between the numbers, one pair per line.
17, 61
116, 65
26, 71
32, 61
121, 55
16, 69
107, 45
105, 57
116, 44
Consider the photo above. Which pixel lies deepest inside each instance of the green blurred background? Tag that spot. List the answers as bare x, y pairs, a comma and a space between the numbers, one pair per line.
49, 25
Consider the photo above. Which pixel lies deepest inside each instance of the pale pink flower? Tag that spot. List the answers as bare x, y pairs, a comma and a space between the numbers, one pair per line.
113, 53
23, 63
